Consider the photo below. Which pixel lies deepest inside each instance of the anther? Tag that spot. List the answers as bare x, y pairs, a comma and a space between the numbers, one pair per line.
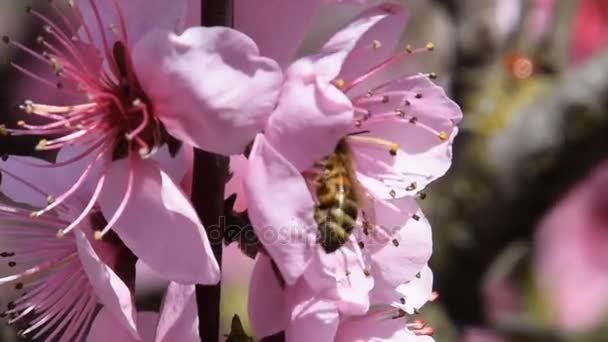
18, 286
392, 193
407, 103
409, 49
418, 275
42, 144
393, 152
6, 39
60, 234
339, 83
422, 195
430, 46
376, 44
411, 187
358, 123
361, 244
385, 99
28, 9
395, 242
34, 214
366, 272
434, 296
418, 96
400, 113
59, 85
443, 136
413, 120
416, 217
40, 40
12, 264
50, 199
47, 29
3, 130
20, 123
433, 76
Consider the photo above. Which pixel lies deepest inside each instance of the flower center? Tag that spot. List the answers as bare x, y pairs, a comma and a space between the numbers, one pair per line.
116, 114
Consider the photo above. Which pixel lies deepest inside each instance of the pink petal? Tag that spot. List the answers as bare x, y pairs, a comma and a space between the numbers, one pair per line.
75, 160
416, 292
261, 20
353, 39
266, 304
340, 277
393, 265
158, 224
207, 82
312, 318
311, 117
372, 329
146, 323
178, 315
105, 324
378, 43
280, 209
140, 17
112, 292
422, 156
17, 191
174, 166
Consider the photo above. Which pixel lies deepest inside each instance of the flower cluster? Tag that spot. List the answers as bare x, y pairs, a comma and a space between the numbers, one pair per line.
338, 151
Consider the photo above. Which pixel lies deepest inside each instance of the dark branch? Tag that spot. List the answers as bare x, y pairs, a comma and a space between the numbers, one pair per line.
209, 179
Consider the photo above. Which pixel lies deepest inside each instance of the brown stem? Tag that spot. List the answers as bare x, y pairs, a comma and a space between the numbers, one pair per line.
210, 173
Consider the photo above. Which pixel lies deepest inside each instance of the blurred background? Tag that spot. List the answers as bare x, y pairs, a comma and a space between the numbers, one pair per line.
520, 221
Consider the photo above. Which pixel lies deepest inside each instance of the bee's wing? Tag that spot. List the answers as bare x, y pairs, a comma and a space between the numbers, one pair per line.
366, 202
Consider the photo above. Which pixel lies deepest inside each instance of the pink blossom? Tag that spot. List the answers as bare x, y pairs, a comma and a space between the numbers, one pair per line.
58, 282
400, 136
136, 86
572, 259
304, 314
260, 20
176, 321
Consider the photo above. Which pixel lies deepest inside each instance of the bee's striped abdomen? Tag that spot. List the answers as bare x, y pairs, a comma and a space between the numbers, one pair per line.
337, 208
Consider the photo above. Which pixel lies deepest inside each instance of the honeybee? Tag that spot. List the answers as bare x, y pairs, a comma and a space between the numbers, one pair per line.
339, 198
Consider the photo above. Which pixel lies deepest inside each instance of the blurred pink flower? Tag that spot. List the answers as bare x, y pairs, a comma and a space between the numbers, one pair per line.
177, 320
590, 32
135, 87
572, 258
400, 134
61, 281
